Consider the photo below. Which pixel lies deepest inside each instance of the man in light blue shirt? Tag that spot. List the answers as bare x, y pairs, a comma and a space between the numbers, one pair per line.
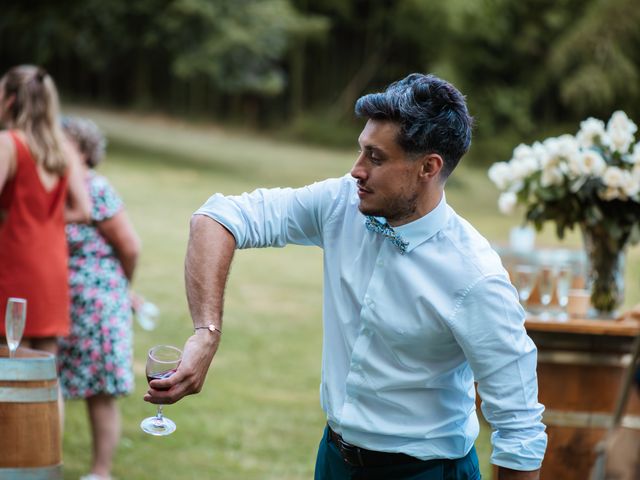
416, 303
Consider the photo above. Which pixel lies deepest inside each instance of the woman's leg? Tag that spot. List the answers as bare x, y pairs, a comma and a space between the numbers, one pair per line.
104, 417
48, 344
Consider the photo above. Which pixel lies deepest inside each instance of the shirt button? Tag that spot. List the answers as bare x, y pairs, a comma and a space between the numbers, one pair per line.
380, 263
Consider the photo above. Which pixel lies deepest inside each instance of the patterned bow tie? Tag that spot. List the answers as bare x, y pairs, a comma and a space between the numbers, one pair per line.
387, 231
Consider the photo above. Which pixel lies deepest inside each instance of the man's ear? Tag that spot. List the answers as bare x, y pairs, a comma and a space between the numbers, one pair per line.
431, 165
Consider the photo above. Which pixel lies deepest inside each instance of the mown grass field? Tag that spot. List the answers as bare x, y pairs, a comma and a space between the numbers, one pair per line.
258, 416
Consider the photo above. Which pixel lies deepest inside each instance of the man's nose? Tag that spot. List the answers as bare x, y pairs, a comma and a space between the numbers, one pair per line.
358, 171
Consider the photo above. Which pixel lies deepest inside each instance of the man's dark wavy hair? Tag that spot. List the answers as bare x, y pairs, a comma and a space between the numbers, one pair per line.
432, 115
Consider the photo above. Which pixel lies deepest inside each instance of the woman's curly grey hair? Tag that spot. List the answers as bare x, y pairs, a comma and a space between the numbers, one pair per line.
88, 137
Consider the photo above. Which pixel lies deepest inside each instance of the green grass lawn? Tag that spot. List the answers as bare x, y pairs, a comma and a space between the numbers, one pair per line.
258, 416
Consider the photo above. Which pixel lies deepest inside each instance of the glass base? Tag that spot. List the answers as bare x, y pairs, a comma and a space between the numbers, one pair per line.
158, 426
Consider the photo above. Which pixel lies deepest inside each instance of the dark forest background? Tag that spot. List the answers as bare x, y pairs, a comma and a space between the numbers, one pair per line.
528, 67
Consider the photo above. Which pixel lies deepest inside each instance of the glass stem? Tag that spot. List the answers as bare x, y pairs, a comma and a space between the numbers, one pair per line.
159, 414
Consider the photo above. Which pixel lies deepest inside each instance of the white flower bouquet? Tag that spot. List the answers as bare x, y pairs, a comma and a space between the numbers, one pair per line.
591, 179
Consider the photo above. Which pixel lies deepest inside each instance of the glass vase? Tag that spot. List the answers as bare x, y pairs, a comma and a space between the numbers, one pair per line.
605, 270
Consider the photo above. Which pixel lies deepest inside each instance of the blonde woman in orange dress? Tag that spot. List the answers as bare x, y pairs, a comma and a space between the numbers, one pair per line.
41, 188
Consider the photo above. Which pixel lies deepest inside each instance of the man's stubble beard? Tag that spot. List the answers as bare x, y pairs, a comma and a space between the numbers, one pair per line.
396, 210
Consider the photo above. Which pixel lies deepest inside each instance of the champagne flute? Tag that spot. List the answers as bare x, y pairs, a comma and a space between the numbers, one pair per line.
524, 281
563, 285
14, 320
162, 362
546, 284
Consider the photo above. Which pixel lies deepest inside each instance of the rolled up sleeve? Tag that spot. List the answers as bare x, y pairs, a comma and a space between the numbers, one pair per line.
490, 329
275, 217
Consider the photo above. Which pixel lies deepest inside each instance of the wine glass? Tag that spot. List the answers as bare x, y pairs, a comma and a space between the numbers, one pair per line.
162, 362
564, 277
524, 281
14, 320
545, 286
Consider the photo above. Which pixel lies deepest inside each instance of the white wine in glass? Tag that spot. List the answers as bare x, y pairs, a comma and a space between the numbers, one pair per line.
162, 362
14, 319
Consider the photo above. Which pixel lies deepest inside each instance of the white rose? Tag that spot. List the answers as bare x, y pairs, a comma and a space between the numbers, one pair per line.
523, 167
522, 150
613, 177
620, 131
500, 174
630, 185
590, 130
538, 149
620, 121
550, 161
552, 145
507, 202
567, 145
551, 176
610, 193
593, 163
575, 165
634, 157
619, 140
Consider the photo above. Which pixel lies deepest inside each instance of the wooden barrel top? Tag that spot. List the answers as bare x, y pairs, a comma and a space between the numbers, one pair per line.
585, 326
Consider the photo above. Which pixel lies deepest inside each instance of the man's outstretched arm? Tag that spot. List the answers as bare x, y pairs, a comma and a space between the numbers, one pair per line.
208, 260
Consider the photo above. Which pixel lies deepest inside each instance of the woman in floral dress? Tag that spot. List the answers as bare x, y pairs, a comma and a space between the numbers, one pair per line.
96, 358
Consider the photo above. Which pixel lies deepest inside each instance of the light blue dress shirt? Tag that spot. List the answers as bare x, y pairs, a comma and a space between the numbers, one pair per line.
405, 336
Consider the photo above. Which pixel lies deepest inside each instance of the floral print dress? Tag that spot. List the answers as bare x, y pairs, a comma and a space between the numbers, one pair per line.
96, 358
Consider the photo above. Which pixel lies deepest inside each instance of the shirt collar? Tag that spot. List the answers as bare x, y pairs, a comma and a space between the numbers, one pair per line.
422, 229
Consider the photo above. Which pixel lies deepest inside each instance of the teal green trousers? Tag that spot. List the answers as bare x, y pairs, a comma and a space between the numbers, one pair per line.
331, 466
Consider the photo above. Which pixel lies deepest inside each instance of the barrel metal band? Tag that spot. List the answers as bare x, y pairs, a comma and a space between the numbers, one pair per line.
54, 472
28, 395
19, 369
584, 358
587, 419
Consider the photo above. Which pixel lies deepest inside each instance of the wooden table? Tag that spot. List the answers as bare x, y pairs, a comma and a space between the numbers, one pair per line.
581, 364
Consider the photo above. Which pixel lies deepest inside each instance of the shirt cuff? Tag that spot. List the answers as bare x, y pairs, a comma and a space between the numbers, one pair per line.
519, 451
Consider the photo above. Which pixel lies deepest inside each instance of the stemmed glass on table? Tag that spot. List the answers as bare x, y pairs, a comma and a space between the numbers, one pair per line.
564, 276
545, 287
524, 280
14, 320
162, 362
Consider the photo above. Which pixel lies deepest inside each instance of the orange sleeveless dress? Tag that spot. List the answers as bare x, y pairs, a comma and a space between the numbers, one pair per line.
33, 248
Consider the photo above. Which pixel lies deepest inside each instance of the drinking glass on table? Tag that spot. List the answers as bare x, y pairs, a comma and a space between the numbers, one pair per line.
545, 286
162, 362
524, 279
14, 320
564, 276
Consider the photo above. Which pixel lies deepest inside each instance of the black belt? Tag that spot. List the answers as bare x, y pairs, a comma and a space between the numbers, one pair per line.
361, 457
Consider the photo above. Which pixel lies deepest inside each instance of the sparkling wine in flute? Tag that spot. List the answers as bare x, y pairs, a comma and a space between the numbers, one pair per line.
162, 362
14, 320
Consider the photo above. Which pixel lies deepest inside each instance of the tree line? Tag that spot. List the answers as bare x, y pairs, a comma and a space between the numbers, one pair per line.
523, 64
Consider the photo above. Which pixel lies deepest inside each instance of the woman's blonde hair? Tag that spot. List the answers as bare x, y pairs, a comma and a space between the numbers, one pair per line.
35, 111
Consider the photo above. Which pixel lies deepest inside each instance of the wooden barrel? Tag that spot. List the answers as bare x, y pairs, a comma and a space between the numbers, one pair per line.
30, 443
581, 366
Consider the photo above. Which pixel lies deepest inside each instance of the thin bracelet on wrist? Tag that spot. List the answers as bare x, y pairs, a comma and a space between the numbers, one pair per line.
211, 327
